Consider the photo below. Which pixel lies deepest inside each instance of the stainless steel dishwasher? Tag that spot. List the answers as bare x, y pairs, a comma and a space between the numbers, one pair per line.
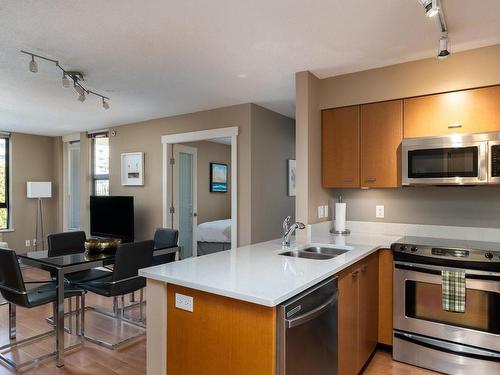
307, 332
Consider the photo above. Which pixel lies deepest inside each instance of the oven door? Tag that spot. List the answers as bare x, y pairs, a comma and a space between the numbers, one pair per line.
445, 164
418, 306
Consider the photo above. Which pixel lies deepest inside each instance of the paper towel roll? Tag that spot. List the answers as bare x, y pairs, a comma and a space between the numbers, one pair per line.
340, 217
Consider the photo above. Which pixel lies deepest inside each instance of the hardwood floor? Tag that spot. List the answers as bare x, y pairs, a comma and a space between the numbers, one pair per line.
131, 360
89, 359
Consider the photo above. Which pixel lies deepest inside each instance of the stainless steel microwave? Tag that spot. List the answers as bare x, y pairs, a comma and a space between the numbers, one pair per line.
455, 159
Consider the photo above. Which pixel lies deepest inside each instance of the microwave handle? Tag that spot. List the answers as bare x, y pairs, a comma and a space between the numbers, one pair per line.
483, 161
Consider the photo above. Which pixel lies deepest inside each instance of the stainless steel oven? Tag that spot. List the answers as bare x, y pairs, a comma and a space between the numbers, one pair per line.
424, 334
456, 159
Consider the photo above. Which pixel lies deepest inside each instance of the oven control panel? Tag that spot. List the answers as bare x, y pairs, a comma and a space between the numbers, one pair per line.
448, 256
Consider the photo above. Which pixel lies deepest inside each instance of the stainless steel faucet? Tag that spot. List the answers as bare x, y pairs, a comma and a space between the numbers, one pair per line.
289, 229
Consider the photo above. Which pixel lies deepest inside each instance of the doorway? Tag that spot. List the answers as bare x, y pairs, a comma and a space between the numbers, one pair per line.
185, 194
169, 142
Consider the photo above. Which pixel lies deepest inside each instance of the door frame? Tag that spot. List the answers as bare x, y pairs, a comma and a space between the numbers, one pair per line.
178, 148
169, 140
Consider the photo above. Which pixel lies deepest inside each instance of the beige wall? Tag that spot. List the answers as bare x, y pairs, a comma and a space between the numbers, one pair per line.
273, 143
33, 158
474, 68
310, 194
146, 136
212, 206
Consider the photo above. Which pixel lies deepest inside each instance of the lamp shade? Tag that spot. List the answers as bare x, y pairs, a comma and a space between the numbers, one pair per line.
39, 189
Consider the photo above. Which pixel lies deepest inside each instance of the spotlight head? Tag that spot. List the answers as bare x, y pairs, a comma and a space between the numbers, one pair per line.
431, 7
81, 97
33, 65
65, 81
79, 90
443, 52
105, 104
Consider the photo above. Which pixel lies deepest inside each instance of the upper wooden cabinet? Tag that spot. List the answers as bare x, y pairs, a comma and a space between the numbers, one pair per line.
381, 135
467, 111
340, 147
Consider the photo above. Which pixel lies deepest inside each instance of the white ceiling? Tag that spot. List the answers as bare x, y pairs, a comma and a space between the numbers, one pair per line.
159, 58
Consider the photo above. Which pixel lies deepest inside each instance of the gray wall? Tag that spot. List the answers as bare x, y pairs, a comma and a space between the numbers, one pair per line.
273, 143
477, 206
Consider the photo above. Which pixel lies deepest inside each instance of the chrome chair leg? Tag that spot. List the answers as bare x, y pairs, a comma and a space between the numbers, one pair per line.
70, 316
132, 297
12, 322
115, 306
141, 304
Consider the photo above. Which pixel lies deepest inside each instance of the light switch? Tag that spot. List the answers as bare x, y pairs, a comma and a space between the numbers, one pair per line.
379, 212
184, 302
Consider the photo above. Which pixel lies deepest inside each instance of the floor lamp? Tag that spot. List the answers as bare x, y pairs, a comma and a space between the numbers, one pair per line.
39, 190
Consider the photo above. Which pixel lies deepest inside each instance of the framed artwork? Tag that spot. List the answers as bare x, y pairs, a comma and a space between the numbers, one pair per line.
292, 166
133, 169
218, 178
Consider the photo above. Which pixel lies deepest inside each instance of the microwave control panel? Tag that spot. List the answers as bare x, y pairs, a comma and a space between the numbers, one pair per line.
495, 161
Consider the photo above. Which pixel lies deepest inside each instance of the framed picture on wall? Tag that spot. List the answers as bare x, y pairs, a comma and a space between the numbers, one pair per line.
292, 166
133, 169
218, 178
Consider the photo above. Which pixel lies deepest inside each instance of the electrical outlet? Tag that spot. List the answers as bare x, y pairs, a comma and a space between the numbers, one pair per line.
326, 211
28, 243
321, 212
379, 212
184, 302
34, 242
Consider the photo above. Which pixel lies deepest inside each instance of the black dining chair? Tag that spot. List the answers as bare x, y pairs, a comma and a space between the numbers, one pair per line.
165, 238
130, 257
68, 243
13, 290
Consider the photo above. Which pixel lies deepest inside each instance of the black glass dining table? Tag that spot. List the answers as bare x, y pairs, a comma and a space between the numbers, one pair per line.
61, 266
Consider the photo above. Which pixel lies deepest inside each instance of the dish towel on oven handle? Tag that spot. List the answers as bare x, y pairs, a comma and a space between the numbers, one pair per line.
453, 291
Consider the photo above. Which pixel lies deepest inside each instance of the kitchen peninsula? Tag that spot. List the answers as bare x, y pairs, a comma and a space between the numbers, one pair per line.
217, 314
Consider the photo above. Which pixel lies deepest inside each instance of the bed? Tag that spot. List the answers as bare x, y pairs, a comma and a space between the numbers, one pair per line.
214, 236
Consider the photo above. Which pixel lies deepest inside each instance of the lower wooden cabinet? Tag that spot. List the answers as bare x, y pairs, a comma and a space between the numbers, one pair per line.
358, 314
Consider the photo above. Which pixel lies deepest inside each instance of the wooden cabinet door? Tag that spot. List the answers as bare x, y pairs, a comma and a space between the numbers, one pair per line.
348, 322
385, 286
381, 135
466, 111
368, 309
340, 147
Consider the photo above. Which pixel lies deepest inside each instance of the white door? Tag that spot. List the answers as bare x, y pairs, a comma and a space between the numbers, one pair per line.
185, 179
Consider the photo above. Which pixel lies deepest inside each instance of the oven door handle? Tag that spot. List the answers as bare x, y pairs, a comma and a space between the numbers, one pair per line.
436, 270
314, 313
449, 347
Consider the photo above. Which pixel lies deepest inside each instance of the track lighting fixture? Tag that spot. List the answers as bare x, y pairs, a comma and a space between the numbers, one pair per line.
67, 77
431, 8
33, 65
65, 81
434, 8
105, 104
443, 52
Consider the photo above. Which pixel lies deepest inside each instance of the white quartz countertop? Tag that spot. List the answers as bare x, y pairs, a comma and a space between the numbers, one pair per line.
258, 274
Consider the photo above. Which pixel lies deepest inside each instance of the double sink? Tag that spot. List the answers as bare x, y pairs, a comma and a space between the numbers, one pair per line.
315, 252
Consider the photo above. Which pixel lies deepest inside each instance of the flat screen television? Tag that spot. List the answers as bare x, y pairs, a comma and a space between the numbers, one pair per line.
112, 216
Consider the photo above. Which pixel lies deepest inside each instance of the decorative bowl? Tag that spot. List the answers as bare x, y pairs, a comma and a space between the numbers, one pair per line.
100, 245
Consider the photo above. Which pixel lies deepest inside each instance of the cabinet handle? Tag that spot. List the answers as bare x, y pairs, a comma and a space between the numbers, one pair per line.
364, 269
371, 179
348, 179
454, 126
355, 274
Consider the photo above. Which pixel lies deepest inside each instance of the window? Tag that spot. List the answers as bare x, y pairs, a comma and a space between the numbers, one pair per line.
4, 182
100, 164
